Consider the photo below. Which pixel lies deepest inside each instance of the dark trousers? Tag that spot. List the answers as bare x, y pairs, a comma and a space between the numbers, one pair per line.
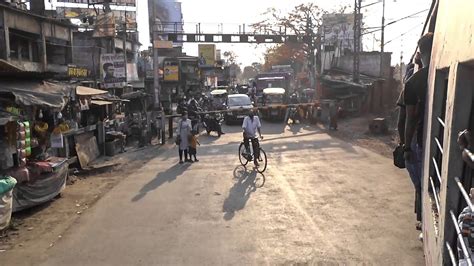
255, 147
414, 170
185, 154
192, 152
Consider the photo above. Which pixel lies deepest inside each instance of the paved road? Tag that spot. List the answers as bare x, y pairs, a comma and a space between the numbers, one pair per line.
321, 201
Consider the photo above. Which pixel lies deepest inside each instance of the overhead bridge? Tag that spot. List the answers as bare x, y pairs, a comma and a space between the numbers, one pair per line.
176, 32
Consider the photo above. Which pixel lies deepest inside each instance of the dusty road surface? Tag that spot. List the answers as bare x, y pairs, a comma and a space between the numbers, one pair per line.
321, 201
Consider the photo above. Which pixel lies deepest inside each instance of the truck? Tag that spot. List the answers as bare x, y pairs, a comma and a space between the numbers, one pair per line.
448, 147
274, 80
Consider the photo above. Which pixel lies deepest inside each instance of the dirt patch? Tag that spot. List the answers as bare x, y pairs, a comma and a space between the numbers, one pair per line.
356, 131
35, 230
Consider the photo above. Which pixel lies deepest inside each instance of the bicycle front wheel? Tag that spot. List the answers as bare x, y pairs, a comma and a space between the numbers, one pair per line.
242, 159
262, 161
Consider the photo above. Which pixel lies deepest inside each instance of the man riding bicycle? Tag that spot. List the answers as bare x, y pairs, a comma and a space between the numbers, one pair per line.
251, 126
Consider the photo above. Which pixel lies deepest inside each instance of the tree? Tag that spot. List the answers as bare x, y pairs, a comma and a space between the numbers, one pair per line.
251, 71
302, 20
285, 54
231, 57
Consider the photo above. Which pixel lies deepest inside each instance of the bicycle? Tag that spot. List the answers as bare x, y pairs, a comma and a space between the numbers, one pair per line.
245, 158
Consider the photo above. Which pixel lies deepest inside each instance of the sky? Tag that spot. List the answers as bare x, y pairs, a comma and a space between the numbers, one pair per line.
232, 13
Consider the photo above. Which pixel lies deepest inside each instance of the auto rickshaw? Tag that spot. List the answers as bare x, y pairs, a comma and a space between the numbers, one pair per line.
274, 100
218, 99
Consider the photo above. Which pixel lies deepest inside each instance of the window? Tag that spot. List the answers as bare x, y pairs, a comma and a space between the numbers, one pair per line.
437, 151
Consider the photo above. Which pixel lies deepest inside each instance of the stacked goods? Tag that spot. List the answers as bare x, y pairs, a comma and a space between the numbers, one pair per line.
24, 141
7, 184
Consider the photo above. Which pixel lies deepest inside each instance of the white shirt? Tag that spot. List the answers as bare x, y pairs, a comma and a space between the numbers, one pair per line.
250, 126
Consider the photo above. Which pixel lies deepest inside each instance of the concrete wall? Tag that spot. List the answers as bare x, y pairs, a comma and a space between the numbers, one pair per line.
87, 52
369, 64
451, 81
39, 32
31, 24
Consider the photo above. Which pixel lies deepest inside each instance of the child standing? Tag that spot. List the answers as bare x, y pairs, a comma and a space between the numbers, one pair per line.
193, 143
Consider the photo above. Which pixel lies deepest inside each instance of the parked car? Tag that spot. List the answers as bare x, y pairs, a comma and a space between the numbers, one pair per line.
273, 102
238, 105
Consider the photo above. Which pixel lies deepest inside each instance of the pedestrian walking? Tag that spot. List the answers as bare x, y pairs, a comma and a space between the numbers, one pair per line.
193, 143
182, 137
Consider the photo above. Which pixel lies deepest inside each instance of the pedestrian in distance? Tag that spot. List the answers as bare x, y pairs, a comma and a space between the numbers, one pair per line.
182, 137
193, 143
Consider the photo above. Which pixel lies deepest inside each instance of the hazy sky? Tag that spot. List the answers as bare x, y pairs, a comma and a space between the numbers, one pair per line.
234, 12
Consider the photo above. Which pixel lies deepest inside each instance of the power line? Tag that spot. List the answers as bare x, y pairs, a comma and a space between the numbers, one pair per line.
407, 17
403, 34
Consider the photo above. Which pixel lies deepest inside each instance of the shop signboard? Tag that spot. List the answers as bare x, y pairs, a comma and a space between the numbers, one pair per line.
74, 71
113, 70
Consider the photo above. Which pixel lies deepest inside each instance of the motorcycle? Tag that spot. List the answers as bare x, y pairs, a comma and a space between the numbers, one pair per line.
292, 113
213, 123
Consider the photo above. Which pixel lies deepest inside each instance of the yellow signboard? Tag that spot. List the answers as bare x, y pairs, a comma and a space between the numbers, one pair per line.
171, 73
77, 72
207, 54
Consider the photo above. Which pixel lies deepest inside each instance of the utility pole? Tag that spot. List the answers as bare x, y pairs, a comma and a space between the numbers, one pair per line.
357, 40
383, 28
382, 39
311, 61
124, 47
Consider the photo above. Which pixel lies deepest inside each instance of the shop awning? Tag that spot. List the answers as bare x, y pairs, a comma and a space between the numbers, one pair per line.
86, 91
37, 93
100, 102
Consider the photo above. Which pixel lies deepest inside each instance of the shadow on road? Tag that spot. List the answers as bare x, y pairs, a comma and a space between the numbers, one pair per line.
239, 194
167, 176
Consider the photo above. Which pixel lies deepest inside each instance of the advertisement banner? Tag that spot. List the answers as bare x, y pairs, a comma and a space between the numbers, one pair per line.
113, 70
166, 15
80, 12
207, 54
171, 73
104, 26
91, 2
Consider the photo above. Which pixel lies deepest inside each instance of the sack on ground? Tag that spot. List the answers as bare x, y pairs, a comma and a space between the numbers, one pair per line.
398, 158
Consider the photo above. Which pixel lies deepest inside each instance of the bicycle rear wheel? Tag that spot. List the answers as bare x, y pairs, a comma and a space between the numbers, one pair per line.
262, 161
242, 159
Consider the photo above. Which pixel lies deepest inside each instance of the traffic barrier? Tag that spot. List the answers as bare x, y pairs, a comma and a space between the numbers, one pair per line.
265, 107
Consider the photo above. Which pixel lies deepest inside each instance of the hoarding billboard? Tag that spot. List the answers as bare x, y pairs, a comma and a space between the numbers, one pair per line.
339, 30
79, 12
166, 14
113, 70
207, 54
91, 2
104, 26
